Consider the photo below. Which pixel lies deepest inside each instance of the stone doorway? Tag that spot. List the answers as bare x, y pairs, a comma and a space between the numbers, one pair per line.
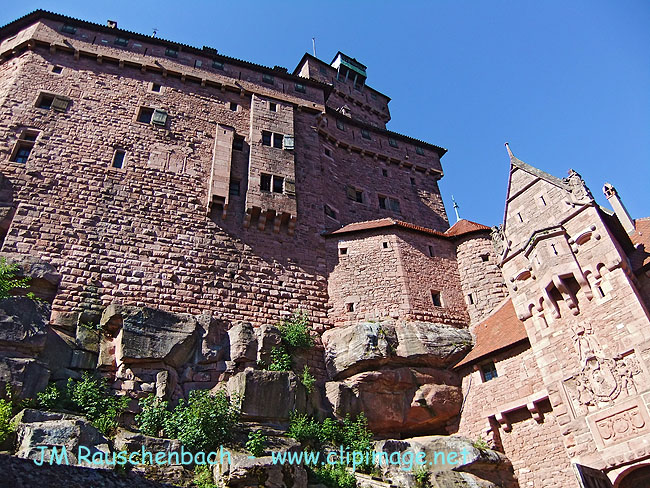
637, 478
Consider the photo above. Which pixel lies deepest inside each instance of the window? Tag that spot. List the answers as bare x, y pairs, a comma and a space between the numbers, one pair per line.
340, 125
233, 106
543, 201
278, 184
365, 134
384, 245
384, 172
412, 181
155, 87
520, 217
55, 102
485, 257
431, 251
343, 251
388, 203
470, 299
45, 101
392, 142
268, 79
145, 115
171, 53
217, 65
601, 292
436, 298
349, 307
273, 107
419, 151
394, 205
382, 202
266, 138
57, 70
287, 142
238, 143
69, 29
198, 63
354, 194
328, 153
118, 159
265, 182
277, 140
234, 188
359, 196
330, 212
300, 88
489, 371
121, 41
23, 147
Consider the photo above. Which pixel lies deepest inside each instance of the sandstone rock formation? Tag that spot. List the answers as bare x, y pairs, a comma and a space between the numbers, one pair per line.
244, 472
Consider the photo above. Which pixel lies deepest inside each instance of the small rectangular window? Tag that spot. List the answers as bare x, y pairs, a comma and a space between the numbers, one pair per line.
278, 184
45, 101
436, 299
288, 143
266, 78
489, 371
419, 151
330, 212
382, 202
69, 29
155, 87
277, 140
392, 142
266, 138
365, 134
57, 70
198, 63
384, 172
358, 196
234, 188
171, 53
340, 125
343, 251
328, 153
145, 114
273, 107
431, 251
412, 181
233, 106
23, 147
217, 65
485, 257
394, 205
384, 245
470, 299
349, 307
121, 41
159, 117
118, 158
238, 143
300, 88
265, 182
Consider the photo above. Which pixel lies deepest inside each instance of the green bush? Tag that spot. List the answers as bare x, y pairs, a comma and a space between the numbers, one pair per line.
335, 476
256, 443
151, 419
422, 478
90, 397
295, 331
204, 422
5, 416
8, 280
203, 477
304, 429
280, 359
307, 379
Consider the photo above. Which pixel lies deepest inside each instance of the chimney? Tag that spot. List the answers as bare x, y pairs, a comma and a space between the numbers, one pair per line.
112, 24
615, 201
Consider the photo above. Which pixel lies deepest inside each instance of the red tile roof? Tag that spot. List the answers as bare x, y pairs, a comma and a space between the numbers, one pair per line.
387, 222
499, 331
464, 227
640, 257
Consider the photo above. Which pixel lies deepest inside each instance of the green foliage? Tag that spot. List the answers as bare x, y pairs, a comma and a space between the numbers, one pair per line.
256, 443
5, 416
151, 419
307, 379
335, 476
8, 280
204, 422
480, 444
90, 397
304, 429
203, 477
90, 326
422, 478
295, 331
280, 359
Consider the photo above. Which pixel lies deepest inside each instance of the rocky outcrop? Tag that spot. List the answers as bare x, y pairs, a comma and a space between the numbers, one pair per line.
243, 472
450, 461
44, 278
26, 377
36, 429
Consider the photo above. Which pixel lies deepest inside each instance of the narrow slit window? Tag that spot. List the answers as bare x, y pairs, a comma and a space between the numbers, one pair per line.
470, 299
520, 218
431, 251
384, 245
358, 196
118, 159
436, 298
384, 172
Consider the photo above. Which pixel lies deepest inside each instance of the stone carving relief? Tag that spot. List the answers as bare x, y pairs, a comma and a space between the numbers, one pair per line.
585, 342
498, 239
618, 424
577, 186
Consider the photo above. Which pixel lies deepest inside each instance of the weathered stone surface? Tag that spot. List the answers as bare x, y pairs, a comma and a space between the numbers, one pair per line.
87, 339
45, 278
132, 442
398, 400
243, 343
83, 360
454, 462
137, 334
267, 395
26, 376
37, 428
368, 345
268, 337
23, 324
243, 472
166, 382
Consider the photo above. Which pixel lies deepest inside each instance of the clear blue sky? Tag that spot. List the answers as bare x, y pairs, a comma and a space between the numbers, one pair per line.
567, 83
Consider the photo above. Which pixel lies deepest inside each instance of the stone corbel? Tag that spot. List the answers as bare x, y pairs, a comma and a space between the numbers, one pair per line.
534, 411
503, 421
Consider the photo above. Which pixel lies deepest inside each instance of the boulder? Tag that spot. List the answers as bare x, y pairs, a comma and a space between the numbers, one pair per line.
133, 442
370, 345
268, 337
44, 277
26, 377
398, 400
23, 324
267, 395
240, 471
36, 428
243, 343
141, 334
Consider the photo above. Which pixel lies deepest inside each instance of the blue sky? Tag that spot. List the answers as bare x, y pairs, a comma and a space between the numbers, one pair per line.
566, 83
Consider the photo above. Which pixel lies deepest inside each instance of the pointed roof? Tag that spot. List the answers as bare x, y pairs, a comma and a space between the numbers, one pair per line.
518, 163
464, 226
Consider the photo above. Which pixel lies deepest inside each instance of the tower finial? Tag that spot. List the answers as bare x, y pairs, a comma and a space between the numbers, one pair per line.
455, 208
512, 156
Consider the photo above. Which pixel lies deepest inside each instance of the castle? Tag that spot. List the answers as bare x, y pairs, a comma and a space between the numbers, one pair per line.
149, 173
